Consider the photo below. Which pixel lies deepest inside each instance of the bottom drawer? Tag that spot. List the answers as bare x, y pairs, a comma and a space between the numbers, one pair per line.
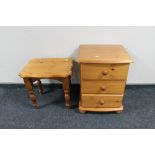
101, 101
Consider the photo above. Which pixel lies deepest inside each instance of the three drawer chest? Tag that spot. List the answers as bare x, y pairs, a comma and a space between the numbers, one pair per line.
103, 75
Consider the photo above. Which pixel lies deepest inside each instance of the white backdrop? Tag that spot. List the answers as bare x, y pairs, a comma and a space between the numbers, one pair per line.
19, 44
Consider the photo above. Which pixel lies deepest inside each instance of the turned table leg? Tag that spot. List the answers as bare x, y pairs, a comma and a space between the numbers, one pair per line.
66, 87
29, 86
40, 86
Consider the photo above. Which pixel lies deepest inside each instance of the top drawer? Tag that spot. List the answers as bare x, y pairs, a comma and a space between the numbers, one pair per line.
104, 71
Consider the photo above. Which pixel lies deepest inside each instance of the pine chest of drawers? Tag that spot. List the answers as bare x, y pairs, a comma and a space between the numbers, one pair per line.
103, 75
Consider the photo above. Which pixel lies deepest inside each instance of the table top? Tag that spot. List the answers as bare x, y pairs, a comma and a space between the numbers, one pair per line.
103, 54
47, 68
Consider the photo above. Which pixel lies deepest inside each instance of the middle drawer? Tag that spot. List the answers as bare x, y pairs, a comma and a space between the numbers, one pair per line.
102, 87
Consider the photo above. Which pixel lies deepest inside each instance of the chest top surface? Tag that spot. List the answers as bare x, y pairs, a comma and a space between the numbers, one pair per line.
103, 54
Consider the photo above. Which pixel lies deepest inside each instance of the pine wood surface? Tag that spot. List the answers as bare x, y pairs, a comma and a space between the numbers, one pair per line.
102, 87
103, 75
104, 71
104, 109
47, 68
100, 101
103, 54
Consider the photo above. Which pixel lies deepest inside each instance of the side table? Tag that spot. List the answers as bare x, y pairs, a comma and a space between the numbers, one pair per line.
47, 68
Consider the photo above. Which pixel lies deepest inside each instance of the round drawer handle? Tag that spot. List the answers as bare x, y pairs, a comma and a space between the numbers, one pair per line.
104, 72
103, 88
102, 102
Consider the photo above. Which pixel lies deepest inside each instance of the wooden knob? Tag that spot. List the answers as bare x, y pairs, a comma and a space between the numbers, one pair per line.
103, 88
102, 102
105, 72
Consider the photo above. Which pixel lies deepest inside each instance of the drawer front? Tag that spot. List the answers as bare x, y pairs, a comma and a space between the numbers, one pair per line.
101, 101
104, 71
102, 87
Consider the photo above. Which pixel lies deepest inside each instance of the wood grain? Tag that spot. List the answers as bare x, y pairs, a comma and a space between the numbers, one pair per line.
47, 68
100, 101
66, 87
103, 54
104, 71
102, 87
103, 75
29, 85
85, 109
